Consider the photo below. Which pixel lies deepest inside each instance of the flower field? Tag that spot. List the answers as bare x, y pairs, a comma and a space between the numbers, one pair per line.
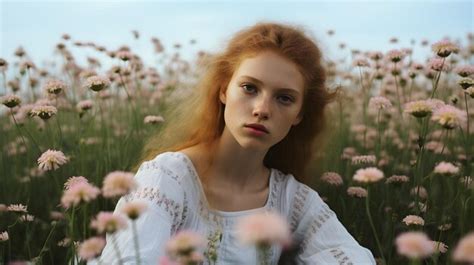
395, 165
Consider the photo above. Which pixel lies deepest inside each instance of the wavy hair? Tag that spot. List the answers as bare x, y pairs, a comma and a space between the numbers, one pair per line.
199, 119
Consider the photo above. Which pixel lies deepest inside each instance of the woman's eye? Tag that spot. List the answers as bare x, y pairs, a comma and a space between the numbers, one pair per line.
248, 88
286, 99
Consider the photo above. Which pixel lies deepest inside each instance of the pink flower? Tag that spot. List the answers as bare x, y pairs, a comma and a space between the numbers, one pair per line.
464, 70
134, 209
444, 48
79, 192
466, 82
185, 241
91, 248
446, 168
439, 247
151, 119
419, 108
74, 180
54, 86
4, 236
397, 179
414, 245
358, 192
395, 55
413, 220
11, 101
368, 175
108, 222
464, 251
379, 102
363, 159
420, 191
51, 160
44, 111
332, 178
118, 183
84, 105
17, 208
449, 117
437, 64
266, 228
361, 62
97, 83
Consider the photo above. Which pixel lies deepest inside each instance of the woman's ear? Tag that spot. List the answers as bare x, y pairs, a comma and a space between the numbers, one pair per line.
222, 95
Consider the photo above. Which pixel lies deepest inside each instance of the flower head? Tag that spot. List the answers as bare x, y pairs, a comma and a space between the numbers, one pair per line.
439, 247
413, 220
358, 192
91, 248
184, 244
446, 168
332, 178
464, 70
11, 101
363, 159
419, 108
118, 183
263, 229
43, 111
20, 208
361, 62
4, 236
79, 192
470, 91
466, 82
438, 64
395, 55
368, 175
54, 86
444, 48
464, 251
152, 119
51, 160
84, 105
379, 102
134, 209
97, 83
397, 179
449, 117
414, 245
108, 222
74, 180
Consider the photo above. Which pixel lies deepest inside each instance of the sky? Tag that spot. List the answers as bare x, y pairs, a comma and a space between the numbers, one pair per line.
364, 25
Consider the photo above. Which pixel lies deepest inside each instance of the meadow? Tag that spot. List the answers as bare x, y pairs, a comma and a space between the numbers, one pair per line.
396, 166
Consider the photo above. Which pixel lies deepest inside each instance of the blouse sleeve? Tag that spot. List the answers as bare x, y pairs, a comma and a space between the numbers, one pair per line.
161, 190
324, 240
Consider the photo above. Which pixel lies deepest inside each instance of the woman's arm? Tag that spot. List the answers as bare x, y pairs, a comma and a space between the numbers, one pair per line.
324, 240
166, 203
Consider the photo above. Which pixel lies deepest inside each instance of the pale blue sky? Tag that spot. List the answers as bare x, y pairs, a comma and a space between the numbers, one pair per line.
365, 25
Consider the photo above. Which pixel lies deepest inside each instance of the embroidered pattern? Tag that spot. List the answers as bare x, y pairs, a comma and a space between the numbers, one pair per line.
157, 165
318, 221
341, 257
298, 205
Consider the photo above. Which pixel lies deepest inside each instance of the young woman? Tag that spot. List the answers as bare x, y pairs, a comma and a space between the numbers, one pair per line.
241, 145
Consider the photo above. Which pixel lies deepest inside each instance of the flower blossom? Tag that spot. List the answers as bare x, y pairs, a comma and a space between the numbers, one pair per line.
79, 192
438, 64
263, 229
397, 179
134, 209
332, 178
91, 248
446, 168
4, 236
368, 175
17, 208
466, 82
108, 222
97, 83
464, 70
152, 119
379, 102
413, 220
414, 245
444, 48
118, 183
51, 160
54, 87
11, 101
358, 192
363, 159
395, 55
184, 246
449, 117
44, 111
464, 251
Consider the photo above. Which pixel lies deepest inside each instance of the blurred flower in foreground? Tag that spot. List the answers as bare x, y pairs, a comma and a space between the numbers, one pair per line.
79, 192
51, 159
134, 209
414, 245
439, 246
379, 102
464, 251
118, 183
183, 248
91, 248
263, 229
108, 222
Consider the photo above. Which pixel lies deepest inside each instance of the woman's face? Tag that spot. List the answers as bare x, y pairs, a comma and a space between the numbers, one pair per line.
265, 90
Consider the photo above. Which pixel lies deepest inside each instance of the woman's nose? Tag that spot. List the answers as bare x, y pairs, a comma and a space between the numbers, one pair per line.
262, 109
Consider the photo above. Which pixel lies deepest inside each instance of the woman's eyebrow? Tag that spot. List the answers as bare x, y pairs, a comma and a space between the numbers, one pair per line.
258, 82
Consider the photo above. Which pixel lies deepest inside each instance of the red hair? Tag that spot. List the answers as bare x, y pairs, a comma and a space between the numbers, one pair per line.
200, 118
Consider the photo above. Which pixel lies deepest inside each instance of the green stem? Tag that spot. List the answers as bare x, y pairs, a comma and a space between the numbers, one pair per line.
435, 86
367, 209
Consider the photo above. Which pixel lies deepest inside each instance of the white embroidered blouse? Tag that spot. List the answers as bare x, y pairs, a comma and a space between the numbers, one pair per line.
171, 187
